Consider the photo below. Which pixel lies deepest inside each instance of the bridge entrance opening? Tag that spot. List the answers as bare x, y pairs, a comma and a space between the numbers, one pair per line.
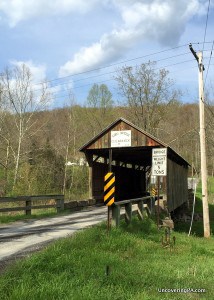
127, 151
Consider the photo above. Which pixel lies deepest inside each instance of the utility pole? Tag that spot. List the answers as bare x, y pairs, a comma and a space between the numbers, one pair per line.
206, 220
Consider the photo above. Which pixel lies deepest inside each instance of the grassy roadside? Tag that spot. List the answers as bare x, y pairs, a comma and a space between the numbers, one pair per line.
130, 263
75, 268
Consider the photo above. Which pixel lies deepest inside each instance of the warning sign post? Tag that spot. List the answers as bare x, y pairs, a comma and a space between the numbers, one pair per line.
159, 168
159, 162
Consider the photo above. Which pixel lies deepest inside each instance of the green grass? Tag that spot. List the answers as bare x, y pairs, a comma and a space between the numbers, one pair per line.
75, 268
210, 188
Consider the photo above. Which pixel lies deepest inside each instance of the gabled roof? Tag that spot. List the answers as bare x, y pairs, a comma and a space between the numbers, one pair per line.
112, 125
158, 143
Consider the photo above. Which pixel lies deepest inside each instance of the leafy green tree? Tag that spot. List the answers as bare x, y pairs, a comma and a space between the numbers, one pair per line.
46, 170
99, 107
99, 96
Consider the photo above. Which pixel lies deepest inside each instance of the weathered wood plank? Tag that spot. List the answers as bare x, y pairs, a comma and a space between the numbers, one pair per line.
13, 209
25, 198
14, 199
128, 212
133, 201
59, 203
47, 197
24, 208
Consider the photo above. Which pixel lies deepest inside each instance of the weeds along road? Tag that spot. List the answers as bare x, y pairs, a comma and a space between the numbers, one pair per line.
20, 238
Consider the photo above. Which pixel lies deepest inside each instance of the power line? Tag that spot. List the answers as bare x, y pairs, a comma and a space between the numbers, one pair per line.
205, 31
122, 62
99, 75
111, 65
129, 60
108, 73
107, 80
209, 64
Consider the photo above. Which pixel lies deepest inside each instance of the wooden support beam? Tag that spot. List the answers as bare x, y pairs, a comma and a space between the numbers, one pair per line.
128, 212
115, 215
147, 209
96, 158
140, 210
152, 205
59, 205
90, 175
28, 206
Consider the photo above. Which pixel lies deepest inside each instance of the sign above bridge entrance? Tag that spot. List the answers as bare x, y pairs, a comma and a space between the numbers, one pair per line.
121, 138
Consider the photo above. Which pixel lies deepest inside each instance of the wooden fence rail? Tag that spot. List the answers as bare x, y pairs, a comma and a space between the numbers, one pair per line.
146, 203
59, 203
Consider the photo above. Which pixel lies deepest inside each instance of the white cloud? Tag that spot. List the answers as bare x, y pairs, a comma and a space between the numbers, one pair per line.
19, 10
160, 20
38, 72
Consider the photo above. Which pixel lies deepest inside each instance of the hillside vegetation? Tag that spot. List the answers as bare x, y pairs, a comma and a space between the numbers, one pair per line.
42, 168
39, 151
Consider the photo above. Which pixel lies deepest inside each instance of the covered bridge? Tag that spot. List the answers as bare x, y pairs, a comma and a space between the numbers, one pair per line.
128, 149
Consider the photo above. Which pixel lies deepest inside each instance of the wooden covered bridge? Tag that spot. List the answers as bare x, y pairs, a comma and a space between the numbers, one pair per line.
128, 149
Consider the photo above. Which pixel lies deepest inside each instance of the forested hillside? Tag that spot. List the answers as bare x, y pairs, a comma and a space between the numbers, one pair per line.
37, 143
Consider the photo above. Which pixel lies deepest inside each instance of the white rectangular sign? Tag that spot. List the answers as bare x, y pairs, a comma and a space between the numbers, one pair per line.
121, 138
159, 162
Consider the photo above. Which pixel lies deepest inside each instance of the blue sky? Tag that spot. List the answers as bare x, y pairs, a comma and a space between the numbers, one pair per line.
60, 38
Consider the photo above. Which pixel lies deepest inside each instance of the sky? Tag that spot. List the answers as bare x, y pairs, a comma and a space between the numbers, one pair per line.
73, 44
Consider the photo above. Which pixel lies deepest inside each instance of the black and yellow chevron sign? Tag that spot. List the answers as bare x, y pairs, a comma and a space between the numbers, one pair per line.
109, 189
154, 192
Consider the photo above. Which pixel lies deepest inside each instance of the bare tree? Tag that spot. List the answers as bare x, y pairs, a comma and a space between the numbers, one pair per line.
22, 100
147, 92
71, 128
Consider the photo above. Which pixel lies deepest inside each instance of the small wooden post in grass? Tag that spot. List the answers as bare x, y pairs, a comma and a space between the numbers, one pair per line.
116, 215
158, 212
59, 204
128, 212
28, 206
140, 210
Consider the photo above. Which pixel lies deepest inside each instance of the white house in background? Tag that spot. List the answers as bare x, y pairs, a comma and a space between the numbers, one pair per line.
81, 162
69, 163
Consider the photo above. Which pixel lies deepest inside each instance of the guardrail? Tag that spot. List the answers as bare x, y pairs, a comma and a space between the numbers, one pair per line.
59, 203
145, 203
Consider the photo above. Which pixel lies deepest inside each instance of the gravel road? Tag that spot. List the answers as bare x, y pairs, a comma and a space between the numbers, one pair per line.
19, 239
